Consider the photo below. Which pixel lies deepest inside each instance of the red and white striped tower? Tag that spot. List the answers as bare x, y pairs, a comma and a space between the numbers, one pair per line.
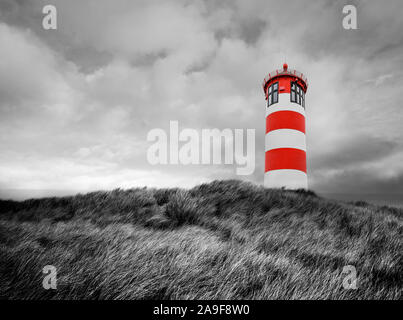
285, 146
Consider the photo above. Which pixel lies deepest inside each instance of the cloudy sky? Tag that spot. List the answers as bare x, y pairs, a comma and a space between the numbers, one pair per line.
76, 103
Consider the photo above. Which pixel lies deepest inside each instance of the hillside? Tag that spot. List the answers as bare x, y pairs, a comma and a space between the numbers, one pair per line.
223, 240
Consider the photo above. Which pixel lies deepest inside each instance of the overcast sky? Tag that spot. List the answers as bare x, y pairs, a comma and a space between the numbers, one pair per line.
76, 103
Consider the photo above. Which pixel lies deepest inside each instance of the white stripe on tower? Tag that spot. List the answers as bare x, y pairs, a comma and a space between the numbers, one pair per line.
285, 138
291, 179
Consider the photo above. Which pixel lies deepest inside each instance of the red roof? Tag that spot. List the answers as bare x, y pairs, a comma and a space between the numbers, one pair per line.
285, 72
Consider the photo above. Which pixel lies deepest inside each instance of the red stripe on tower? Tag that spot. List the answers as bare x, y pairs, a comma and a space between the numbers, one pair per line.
285, 120
285, 156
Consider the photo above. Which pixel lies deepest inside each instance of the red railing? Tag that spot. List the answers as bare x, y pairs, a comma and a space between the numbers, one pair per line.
290, 72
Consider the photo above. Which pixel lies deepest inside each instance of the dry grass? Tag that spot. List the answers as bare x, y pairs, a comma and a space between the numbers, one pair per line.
223, 240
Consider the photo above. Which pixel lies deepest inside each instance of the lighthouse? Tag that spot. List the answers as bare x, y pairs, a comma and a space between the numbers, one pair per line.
285, 144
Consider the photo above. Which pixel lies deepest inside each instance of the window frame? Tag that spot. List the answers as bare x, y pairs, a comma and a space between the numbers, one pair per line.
272, 93
293, 92
297, 94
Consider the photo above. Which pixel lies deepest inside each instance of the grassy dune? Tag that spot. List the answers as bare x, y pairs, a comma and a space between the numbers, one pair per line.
223, 240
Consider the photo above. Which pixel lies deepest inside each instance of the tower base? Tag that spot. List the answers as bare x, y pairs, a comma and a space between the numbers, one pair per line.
286, 178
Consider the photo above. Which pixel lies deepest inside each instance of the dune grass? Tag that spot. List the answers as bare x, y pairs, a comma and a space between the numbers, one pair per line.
222, 240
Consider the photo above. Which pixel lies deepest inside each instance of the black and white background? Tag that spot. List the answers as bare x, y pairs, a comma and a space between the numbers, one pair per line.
77, 102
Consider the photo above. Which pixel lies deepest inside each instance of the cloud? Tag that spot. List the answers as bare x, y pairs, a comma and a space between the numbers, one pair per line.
76, 103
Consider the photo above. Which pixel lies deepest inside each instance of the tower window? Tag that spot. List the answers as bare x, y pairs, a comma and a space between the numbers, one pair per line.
297, 94
272, 94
